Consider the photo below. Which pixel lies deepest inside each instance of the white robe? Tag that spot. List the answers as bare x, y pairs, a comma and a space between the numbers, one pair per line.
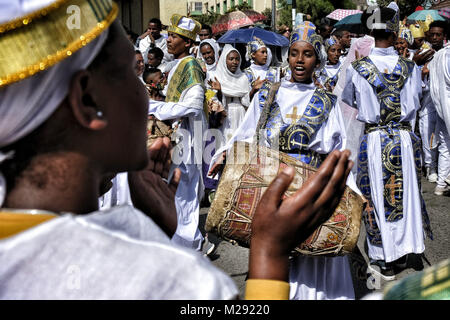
310, 277
440, 93
188, 158
118, 195
405, 235
117, 254
330, 70
161, 42
427, 126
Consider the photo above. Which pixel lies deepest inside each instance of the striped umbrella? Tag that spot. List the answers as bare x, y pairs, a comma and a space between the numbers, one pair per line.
236, 19
445, 12
339, 14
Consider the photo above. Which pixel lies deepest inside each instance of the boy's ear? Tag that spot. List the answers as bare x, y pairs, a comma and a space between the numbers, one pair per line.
85, 110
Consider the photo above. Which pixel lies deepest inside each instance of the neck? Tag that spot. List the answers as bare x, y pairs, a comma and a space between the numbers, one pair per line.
438, 47
181, 55
258, 64
309, 81
383, 44
59, 182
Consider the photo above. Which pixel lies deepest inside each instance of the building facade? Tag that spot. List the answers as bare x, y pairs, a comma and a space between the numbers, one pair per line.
135, 14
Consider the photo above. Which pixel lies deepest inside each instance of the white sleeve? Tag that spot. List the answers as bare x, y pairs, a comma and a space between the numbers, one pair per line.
411, 92
144, 44
246, 130
191, 103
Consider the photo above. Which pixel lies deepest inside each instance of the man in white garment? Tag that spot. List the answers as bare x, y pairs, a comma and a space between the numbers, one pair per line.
184, 105
388, 170
152, 38
439, 74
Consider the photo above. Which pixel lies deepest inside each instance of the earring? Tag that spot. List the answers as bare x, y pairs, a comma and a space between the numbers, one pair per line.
99, 114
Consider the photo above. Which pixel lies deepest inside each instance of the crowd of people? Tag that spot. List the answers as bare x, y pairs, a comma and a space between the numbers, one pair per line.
90, 210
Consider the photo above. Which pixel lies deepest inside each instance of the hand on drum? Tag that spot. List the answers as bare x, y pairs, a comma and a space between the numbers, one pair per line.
279, 225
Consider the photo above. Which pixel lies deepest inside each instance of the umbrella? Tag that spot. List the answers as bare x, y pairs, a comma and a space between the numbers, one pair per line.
351, 23
445, 12
339, 14
236, 19
246, 35
421, 15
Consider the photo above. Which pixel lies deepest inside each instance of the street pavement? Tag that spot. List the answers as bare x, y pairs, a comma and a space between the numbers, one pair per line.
233, 259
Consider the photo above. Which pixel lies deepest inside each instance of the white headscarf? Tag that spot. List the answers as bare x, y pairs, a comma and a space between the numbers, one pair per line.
233, 84
261, 71
26, 104
215, 47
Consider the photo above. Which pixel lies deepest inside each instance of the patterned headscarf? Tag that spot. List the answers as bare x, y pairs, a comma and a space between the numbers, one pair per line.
406, 34
306, 31
329, 42
254, 46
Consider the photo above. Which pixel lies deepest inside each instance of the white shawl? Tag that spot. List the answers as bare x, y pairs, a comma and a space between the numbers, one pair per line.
232, 84
440, 83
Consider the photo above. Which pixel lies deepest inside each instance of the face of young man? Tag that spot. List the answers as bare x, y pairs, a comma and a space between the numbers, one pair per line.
436, 35
345, 40
176, 45
152, 60
155, 30
204, 34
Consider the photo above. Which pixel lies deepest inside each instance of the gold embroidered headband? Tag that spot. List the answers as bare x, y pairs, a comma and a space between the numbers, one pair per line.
39, 40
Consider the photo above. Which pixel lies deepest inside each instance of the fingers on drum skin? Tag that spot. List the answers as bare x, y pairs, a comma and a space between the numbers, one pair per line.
316, 184
274, 193
335, 185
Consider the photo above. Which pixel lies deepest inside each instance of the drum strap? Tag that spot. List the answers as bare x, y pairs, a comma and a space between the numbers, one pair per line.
273, 89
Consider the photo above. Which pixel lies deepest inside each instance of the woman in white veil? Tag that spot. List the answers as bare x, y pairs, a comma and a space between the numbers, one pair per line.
232, 89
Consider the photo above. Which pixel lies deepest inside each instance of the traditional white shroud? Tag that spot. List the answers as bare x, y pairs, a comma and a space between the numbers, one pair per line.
114, 254
118, 195
310, 277
331, 70
427, 126
235, 90
406, 235
187, 157
440, 93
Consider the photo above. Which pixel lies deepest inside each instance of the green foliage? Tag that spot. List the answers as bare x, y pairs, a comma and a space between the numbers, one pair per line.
243, 6
317, 9
208, 18
406, 6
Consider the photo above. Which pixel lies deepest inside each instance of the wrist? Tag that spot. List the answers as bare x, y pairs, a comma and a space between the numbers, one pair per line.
268, 262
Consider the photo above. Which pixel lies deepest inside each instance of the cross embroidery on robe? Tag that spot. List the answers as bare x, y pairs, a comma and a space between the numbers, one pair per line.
294, 116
